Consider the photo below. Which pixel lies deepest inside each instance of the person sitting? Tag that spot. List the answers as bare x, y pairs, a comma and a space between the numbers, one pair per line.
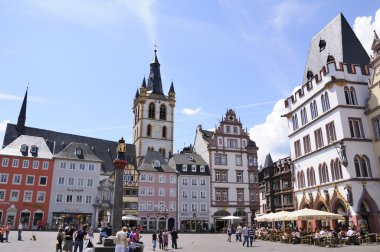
352, 236
105, 232
296, 236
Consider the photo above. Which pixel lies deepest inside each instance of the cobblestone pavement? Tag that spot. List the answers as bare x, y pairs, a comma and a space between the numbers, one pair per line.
187, 243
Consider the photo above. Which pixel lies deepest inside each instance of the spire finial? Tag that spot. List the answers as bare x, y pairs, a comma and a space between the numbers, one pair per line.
155, 47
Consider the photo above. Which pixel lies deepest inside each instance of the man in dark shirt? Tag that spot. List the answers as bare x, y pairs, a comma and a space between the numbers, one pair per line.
79, 237
174, 238
68, 238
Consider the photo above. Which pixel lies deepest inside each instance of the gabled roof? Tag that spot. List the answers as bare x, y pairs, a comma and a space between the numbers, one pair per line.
70, 152
178, 160
14, 147
147, 163
341, 42
57, 141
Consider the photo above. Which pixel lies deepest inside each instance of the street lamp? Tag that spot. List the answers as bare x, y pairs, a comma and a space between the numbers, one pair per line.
341, 150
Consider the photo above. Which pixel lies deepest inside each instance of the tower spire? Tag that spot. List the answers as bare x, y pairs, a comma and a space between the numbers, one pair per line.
22, 116
154, 81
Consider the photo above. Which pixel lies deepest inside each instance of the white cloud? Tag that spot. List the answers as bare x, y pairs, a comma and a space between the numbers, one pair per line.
3, 126
272, 135
10, 97
363, 28
190, 111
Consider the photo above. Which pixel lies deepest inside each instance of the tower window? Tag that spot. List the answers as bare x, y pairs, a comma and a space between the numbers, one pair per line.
149, 130
152, 110
164, 132
162, 112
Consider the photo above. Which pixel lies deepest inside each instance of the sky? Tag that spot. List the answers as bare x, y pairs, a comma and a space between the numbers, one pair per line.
83, 61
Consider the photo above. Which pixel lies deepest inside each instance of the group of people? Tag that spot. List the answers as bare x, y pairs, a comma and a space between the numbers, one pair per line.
163, 239
6, 229
68, 238
248, 232
127, 240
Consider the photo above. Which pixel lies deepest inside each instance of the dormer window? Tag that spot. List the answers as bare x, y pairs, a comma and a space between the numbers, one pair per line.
24, 148
78, 151
193, 168
156, 164
184, 167
202, 168
228, 129
33, 150
191, 158
231, 118
322, 45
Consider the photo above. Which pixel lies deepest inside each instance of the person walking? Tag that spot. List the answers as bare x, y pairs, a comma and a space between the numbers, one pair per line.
251, 234
90, 237
174, 234
245, 233
229, 233
7, 231
68, 238
121, 240
79, 237
165, 238
58, 246
160, 240
154, 240
19, 232
2, 233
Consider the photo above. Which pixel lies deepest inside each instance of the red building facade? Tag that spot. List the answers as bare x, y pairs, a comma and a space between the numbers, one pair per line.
26, 172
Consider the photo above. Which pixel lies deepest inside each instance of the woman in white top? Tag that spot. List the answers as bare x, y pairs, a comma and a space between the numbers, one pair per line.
121, 240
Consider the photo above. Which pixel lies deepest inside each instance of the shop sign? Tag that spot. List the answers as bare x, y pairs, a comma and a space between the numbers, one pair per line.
5, 203
74, 190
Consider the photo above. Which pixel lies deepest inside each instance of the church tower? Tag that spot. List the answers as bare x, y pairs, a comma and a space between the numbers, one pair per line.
153, 111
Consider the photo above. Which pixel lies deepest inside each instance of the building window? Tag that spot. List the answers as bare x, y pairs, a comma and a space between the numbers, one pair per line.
30, 180
240, 195
15, 163
193, 168
90, 182
80, 182
40, 197
310, 176
184, 194
69, 198
72, 166
330, 131
350, 95
217, 176
142, 191
149, 191
89, 200
323, 174
303, 116
203, 207
14, 195
164, 132
28, 195
149, 130
163, 112
43, 181
142, 206
224, 176
172, 192
306, 144
313, 109
150, 177
3, 178
220, 159
301, 179
297, 148
203, 194
362, 167
70, 181
194, 194
184, 167
185, 207
81, 167
161, 192
356, 128
2, 195
239, 177
61, 181
238, 160
17, 179
63, 165
336, 170
143, 177
150, 206
152, 110
5, 162
184, 181
45, 165
325, 102
228, 129
91, 167
202, 168
218, 195
25, 164
194, 181
203, 181
376, 127
232, 143
295, 121
318, 138
162, 178
35, 164
59, 198
224, 195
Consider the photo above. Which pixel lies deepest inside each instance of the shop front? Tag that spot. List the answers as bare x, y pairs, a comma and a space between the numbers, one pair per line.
77, 219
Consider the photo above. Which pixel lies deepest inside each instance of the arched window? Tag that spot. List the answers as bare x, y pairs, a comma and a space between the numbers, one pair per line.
362, 167
323, 173
327, 102
299, 179
303, 116
336, 170
162, 112
152, 110
312, 176
350, 95
149, 130
295, 122
313, 109
353, 96
323, 102
308, 177
303, 184
164, 132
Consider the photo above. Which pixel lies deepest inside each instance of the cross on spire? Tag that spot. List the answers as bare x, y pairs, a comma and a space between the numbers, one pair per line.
155, 47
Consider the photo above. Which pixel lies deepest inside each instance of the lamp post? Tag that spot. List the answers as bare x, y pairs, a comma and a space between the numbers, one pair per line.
119, 164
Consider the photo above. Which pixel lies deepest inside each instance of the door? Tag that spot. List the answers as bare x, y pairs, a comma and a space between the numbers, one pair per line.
193, 226
11, 219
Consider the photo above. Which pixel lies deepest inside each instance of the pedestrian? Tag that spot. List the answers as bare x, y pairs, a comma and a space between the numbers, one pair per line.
2, 233
121, 240
238, 233
7, 231
229, 233
174, 235
165, 238
245, 233
154, 240
79, 237
68, 238
251, 234
90, 237
160, 240
60, 234
19, 232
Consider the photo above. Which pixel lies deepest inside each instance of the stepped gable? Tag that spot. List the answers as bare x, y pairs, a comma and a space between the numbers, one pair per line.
57, 141
326, 72
147, 163
336, 39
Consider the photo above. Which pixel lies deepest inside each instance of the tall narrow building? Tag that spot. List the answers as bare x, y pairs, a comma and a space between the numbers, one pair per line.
153, 111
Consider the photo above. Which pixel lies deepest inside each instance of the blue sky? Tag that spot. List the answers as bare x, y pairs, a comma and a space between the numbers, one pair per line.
84, 59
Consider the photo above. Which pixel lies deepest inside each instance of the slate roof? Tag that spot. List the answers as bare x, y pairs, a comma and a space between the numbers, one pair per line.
13, 148
150, 157
268, 161
207, 135
178, 160
341, 42
154, 80
70, 152
57, 141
